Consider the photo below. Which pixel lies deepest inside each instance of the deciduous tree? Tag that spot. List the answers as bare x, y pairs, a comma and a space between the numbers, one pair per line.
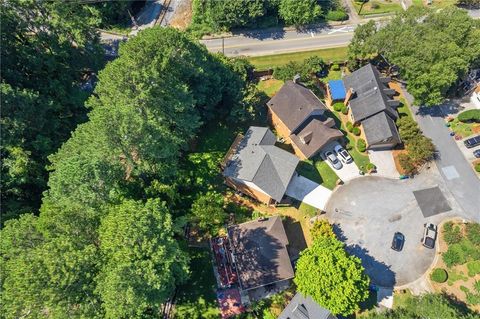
299, 12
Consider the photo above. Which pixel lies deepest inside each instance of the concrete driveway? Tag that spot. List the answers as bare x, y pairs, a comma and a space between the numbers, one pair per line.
384, 162
309, 192
348, 171
367, 211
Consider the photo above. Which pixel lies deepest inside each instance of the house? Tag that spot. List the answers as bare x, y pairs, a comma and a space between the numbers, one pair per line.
299, 117
301, 307
371, 106
258, 168
259, 252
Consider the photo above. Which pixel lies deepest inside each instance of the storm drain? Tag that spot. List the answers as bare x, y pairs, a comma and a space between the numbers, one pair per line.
431, 201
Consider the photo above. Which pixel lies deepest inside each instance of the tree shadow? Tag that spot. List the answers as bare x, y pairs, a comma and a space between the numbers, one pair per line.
262, 34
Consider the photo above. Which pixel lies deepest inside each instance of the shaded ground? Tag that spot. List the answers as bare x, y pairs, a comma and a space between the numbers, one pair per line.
371, 209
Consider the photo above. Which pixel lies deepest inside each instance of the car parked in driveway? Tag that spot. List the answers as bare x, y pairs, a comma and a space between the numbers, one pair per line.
398, 241
472, 142
342, 154
476, 153
333, 160
429, 235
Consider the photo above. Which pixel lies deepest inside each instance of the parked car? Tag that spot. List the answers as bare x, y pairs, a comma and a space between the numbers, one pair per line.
343, 154
472, 142
333, 160
476, 153
429, 235
398, 240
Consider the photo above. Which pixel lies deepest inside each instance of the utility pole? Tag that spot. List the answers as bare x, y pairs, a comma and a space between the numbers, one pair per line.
223, 45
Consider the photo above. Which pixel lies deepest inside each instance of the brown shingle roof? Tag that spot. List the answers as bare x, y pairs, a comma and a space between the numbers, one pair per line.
314, 136
293, 103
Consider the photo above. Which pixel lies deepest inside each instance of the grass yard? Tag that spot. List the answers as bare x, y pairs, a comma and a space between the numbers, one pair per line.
319, 172
198, 294
270, 61
270, 86
463, 129
400, 298
377, 7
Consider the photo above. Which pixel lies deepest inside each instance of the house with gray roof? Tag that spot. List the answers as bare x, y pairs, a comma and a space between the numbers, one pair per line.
301, 307
259, 251
258, 168
298, 116
372, 107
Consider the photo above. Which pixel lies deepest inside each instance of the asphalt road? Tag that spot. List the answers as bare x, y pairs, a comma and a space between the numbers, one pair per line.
279, 41
457, 173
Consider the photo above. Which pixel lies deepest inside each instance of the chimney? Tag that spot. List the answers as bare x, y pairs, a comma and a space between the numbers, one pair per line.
349, 96
296, 78
306, 137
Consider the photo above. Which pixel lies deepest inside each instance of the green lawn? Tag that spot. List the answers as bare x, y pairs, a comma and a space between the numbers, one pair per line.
400, 298
404, 110
460, 128
198, 294
270, 61
318, 172
377, 7
270, 87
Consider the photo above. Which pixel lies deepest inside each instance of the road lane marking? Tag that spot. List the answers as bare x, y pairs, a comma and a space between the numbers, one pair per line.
450, 172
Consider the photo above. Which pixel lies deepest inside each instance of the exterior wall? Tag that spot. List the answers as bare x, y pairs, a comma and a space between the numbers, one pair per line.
249, 191
279, 126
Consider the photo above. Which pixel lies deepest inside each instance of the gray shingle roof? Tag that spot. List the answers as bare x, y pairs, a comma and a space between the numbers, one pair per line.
258, 160
293, 103
260, 252
370, 93
380, 129
301, 307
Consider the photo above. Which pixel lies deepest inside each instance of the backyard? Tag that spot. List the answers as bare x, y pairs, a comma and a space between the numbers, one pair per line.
458, 271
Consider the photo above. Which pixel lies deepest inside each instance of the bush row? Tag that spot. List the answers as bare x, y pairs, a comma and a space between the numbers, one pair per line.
469, 116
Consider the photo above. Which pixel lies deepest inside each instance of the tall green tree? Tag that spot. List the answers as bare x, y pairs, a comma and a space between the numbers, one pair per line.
299, 12
47, 47
433, 49
208, 212
143, 263
331, 277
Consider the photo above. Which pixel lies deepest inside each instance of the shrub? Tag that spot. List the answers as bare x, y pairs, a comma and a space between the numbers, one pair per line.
344, 110
338, 107
451, 234
321, 228
336, 67
420, 149
349, 126
336, 15
473, 233
439, 275
477, 167
361, 145
407, 128
370, 166
407, 164
287, 71
477, 286
473, 268
451, 258
356, 131
469, 116
374, 5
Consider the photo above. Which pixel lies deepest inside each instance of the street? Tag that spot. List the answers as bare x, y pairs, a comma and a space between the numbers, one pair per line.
256, 43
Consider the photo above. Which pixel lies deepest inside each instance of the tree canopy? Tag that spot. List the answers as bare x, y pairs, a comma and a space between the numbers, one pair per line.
47, 48
299, 12
331, 277
433, 49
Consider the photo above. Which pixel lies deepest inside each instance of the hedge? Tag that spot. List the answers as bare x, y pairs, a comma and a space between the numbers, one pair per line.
439, 275
361, 145
338, 107
469, 116
356, 131
370, 166
336, 15
344, 110
349, 126
477, 167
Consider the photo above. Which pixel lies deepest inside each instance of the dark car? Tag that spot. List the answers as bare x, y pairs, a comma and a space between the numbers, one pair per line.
429, 235
397, 242
476, 153
472, 142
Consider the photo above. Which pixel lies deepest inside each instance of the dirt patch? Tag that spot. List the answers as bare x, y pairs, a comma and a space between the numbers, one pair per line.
458, 281
396, 154
476, 128
183, 15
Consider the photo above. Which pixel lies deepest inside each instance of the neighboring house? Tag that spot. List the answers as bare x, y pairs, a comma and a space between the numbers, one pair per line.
301, 307
259, 251
258, 168
476, 97
298, 116
371, 106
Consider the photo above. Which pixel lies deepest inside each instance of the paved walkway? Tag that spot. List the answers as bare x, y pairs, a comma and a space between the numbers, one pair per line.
384, 162
309, 192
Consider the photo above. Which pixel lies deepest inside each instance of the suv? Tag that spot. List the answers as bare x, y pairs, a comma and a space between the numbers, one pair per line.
476, 153
333, 160
343, 154
397, 242
429, 235
472, 142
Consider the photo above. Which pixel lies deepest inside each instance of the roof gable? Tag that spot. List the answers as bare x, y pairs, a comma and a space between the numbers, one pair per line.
302, 307
380, 129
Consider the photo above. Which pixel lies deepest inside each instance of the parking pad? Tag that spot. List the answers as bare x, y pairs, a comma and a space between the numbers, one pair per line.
431, 201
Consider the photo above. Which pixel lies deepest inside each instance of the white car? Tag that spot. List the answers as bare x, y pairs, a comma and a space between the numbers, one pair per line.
343, 154
333, 160
429, 235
